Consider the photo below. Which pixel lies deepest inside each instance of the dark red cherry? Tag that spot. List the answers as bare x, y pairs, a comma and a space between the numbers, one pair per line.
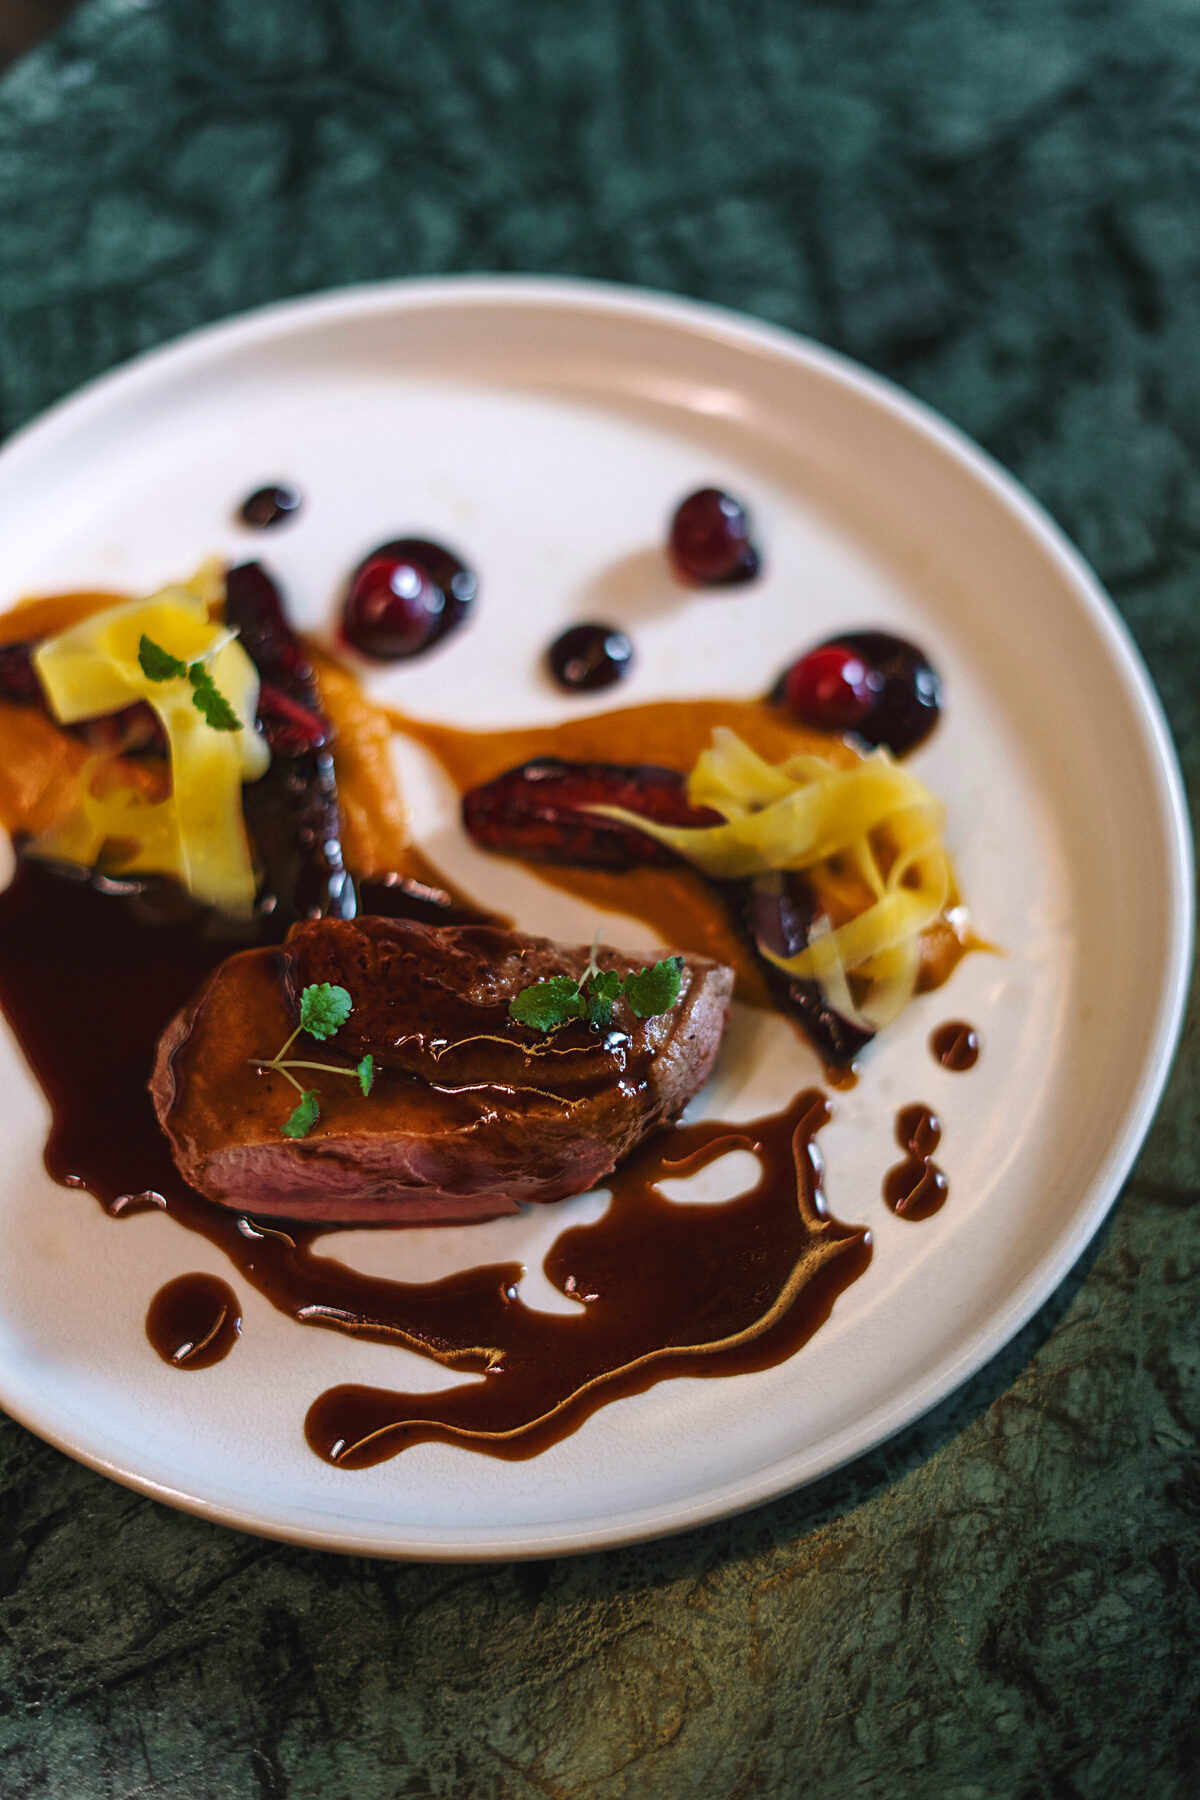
268, 506
393, 609
832, 688
458, 583
896, 701
589, 657
910, 697
710, 543
404, 597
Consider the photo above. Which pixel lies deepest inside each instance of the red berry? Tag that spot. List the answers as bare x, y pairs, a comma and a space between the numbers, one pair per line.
710, 540
831, 688
394, 607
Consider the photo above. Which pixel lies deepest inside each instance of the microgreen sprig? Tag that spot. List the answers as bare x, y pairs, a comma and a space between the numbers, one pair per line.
324, 1009
158, 664
547, 1005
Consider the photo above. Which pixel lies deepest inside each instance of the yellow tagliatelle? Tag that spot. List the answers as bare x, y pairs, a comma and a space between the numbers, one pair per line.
197, 833
801, 814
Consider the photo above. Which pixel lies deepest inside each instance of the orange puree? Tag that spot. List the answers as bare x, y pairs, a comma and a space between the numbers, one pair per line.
677, 904
39, 770
50, 613
375, 836
374, 816
671, 733
39, 764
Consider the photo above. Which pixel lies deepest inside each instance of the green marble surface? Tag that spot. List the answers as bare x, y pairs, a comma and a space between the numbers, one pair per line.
996, 202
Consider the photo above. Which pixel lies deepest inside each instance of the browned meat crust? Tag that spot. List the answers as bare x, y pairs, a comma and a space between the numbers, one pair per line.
470, 1114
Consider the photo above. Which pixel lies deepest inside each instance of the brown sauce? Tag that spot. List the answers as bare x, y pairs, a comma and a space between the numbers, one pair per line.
194, 1321
666, 1289
88, 982
955, 1046
916, 1188
678, 905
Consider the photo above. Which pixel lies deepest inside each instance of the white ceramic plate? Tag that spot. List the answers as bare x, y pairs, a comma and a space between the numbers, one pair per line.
548, 428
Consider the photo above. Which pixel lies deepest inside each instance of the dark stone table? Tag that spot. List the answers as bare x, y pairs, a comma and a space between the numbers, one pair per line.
997, 203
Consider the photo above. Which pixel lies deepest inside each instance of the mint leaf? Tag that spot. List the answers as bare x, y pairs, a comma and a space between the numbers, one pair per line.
547, 1004
603, 988
304, 1117
323, 1009
210, 701
366, 1074
655, 990
158, 664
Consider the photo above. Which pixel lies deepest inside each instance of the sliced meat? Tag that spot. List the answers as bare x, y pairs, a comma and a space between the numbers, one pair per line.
470, 1114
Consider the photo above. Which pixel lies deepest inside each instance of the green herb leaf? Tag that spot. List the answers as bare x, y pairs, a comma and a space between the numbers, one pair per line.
655, 990
158, 664
603, 988
210, 701
304, 1117
366, 1074
547, 1004
323, 1009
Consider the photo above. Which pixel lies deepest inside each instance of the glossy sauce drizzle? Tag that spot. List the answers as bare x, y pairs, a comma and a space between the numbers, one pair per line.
916, 1188
194, 1321
956, 1046
88, 981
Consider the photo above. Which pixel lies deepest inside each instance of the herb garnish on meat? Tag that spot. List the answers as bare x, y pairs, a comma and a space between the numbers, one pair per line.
546, 1005
324, 1009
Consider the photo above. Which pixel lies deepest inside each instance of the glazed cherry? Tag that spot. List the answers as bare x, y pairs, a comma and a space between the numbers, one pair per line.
879, 686
269, 506
404, 597
710, 543
589, 657
393, 609
832, 688
457, 582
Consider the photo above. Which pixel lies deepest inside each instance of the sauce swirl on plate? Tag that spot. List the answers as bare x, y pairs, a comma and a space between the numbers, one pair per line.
88, 981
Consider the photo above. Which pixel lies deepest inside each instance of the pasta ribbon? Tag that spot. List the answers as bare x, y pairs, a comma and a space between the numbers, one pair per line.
802, 814
197, 833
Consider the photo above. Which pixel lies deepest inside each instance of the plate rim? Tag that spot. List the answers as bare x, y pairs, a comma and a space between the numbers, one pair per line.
697, 319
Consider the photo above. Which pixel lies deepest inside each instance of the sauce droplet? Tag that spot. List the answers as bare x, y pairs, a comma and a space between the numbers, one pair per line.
955, 1046
588, 657
194, 1321
916, 1188
268, 506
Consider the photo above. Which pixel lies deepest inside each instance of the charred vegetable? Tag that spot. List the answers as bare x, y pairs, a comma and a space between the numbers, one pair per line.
293, 810
541, 812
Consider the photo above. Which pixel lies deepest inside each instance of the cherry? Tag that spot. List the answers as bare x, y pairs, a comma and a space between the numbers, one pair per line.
404, 597
588, 657
393, 609
269, 506
879, 686
710, 544
832, 688
457, 582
